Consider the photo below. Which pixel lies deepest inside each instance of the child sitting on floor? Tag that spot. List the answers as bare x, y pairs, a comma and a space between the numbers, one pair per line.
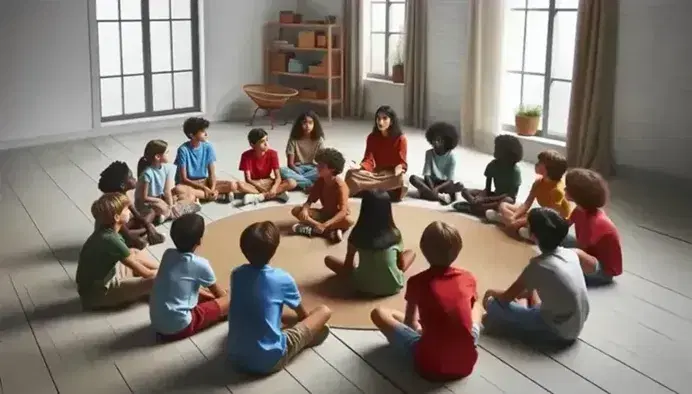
548, 301
256, 342
377, 241
117, 178
437, 183
196, 162
548, 190
109, 274
259, 164
305, 140
331, 191
597, 239
183, 279
503, 172
437, 332
155, 185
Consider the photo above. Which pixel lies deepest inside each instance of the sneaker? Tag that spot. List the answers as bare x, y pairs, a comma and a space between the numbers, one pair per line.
492, 216
336, 236
251, 199
302, 229
445, 199
524, 233
282, 197
182, 208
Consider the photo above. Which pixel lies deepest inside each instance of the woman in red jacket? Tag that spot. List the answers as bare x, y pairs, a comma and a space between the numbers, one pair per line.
384, 163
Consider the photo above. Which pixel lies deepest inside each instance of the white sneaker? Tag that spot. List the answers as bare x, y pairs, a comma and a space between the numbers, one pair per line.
251, 199
492, 216
524, 233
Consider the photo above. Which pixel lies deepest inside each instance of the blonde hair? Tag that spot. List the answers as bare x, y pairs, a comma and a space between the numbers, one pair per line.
107, 206
440, 244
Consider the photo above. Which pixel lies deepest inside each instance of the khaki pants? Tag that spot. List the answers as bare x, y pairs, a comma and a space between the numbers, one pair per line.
298, 338
361, 180
125, 288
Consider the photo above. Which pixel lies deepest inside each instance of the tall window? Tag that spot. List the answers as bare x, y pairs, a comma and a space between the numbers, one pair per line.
385, 21
148, 57
539, 48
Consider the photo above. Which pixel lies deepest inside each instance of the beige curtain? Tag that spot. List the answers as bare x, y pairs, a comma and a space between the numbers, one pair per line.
415, 63
590, 127
480, 114
354, 99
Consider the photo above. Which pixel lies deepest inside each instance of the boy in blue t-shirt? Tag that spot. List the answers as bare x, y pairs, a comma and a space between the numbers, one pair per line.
196, 172
256, 341
182, 280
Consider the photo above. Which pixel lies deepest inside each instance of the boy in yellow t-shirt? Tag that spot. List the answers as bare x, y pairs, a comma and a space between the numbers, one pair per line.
548, 190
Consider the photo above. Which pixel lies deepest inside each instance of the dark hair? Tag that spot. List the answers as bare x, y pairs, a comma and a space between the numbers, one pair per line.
440, 244
375, 228
447, 132
394, 127
508, 149
187, 232
153, 148
554, 162
259, 242
549, 228
297, 129
255, 135
587, 188
331, 158
193, 125
114, 179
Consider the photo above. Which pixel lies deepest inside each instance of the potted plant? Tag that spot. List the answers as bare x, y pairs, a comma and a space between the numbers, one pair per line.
398, 62
526, 119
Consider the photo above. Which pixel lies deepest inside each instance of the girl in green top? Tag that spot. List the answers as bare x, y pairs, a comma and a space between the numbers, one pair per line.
377, 241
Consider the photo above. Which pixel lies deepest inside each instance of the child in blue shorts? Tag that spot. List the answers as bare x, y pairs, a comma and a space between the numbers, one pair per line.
548, 302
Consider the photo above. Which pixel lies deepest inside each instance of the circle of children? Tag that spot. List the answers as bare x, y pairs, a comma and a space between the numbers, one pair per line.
438, 331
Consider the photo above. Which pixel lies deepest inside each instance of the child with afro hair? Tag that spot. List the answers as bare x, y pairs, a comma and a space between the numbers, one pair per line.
437, 183
502, 172
140, 230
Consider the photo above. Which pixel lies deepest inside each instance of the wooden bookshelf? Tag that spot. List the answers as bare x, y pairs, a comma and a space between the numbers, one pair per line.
329, 84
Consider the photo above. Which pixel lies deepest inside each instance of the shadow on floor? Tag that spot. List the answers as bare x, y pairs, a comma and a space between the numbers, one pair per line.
141, 337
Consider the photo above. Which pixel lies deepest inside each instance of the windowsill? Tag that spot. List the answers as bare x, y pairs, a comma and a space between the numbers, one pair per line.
383, 81
550, 142
150, 119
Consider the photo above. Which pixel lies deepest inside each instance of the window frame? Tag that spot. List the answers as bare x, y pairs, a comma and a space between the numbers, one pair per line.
548, 79
387, 34
147, 73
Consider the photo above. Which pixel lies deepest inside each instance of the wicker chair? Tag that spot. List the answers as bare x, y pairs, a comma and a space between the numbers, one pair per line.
269, 98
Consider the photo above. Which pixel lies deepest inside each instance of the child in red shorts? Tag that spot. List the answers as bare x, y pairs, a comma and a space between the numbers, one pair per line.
441, 298
182, 281
597, 239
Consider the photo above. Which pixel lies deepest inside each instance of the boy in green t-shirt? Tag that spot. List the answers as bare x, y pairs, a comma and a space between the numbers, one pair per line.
109, 274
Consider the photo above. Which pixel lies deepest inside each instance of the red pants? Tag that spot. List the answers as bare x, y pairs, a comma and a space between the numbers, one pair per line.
204, 315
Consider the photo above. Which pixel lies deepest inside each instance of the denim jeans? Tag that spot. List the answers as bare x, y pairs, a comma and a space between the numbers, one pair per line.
304, 174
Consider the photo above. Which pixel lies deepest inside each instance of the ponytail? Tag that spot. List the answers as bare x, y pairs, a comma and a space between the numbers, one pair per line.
142, 165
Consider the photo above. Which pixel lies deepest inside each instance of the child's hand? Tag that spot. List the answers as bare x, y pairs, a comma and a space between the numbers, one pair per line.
208, 193
488, 295
319, 227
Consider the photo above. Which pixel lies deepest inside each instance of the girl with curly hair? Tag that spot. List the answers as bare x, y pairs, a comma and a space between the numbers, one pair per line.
437, 182
305, 140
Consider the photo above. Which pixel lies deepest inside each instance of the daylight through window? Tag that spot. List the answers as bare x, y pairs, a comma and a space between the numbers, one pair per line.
387, 19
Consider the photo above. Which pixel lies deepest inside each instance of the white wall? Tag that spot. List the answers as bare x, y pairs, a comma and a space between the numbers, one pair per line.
45, 70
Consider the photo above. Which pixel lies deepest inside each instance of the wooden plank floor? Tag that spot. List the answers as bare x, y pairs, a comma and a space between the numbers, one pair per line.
636, 339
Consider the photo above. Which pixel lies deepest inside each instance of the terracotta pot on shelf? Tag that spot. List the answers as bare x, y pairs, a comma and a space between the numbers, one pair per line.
526, 125
398, 73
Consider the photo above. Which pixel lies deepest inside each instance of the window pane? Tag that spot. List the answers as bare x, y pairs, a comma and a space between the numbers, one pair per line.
397, 18
109, 48
515, 3
560, 93
106, 9
184, 92
573, 4
514, 39
180, 9
378, 17
111, 97
533, 90
564, 41
131, 9
511, 97
160, 46
396, 50
133, 62
134, 94
377, 54
162, 91
182, 45
536, 41
158, 9
538, 3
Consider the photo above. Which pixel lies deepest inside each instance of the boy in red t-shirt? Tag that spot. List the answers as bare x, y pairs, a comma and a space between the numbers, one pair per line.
439, 329
260, 165
331, 191
597, 239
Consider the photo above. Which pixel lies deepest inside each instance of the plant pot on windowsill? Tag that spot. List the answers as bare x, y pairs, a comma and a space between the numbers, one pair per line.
398, 73
526, 120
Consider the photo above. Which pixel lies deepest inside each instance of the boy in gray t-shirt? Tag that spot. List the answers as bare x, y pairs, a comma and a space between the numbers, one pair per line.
552, 284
